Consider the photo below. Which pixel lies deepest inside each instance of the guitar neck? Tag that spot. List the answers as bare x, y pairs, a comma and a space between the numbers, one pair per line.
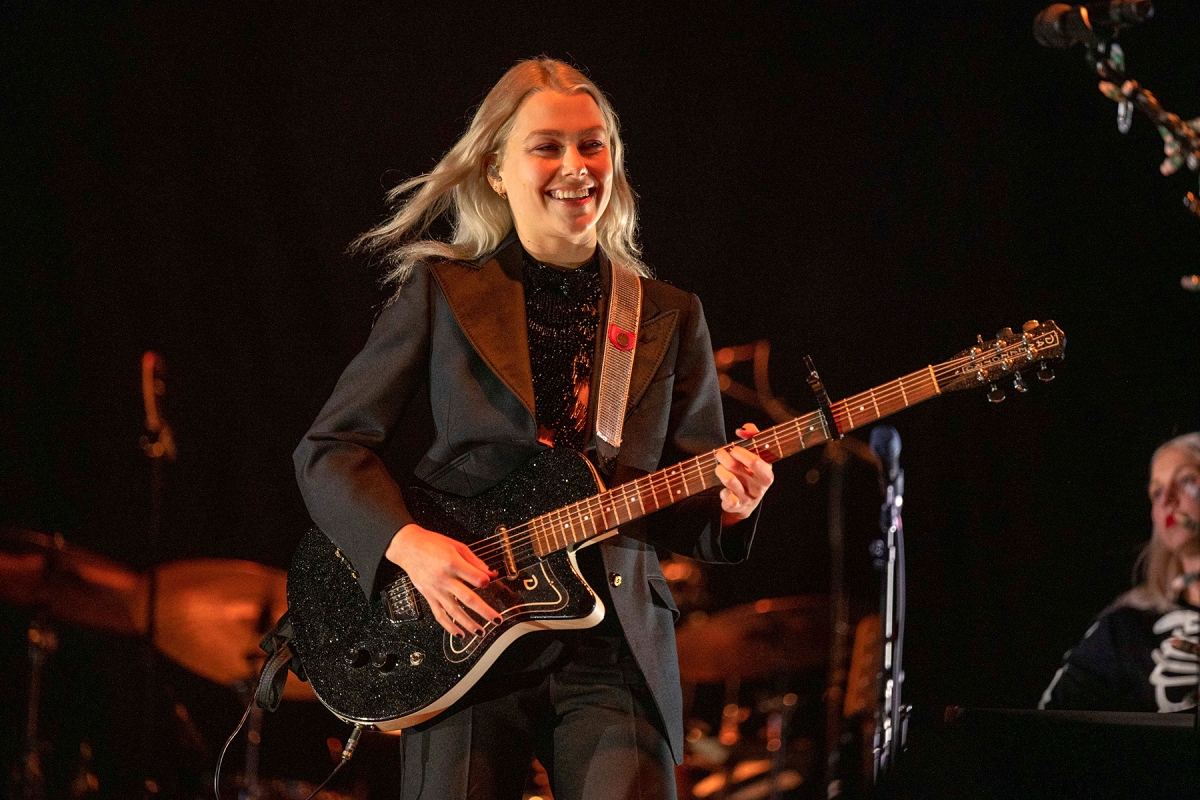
590, 518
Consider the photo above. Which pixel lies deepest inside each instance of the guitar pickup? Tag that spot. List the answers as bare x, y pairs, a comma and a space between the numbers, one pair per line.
510, 560
400, 601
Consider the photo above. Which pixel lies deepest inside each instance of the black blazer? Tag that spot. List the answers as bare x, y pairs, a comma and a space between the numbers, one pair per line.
460, 329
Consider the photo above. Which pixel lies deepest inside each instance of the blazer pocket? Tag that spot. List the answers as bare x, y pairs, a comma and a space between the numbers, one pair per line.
441, 472
660, 595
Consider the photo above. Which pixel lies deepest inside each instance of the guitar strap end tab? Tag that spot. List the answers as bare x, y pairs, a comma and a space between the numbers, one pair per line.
280, 660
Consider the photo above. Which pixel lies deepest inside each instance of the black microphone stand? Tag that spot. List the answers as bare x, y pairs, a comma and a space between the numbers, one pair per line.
891, 716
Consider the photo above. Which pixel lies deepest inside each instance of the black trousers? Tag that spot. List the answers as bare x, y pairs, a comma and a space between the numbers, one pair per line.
597, 741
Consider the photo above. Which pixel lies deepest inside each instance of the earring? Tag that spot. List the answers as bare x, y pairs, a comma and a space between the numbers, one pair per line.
494, 175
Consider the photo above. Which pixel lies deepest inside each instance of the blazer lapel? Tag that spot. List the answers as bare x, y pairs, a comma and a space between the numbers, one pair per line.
654, 337
488, 302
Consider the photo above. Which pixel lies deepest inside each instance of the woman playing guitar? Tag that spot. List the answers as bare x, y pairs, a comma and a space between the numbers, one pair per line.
499, 325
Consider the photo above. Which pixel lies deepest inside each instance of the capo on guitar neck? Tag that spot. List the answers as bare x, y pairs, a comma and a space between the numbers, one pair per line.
823, 404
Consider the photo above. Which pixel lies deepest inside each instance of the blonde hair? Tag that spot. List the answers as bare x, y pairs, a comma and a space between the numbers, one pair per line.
1157, 566
458, 186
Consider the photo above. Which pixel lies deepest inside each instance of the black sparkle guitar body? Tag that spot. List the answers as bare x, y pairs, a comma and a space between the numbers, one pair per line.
387, 662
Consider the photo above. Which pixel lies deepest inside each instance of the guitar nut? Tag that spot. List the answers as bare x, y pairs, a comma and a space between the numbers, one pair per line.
416, 658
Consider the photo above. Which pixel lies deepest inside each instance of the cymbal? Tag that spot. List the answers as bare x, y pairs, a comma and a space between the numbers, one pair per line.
73, 584
755, 640
211, 613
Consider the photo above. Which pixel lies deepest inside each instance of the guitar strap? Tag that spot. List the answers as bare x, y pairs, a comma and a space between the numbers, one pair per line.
616, 364
280, 659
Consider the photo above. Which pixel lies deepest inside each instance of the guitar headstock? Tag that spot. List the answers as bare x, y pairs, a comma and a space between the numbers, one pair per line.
1008, 355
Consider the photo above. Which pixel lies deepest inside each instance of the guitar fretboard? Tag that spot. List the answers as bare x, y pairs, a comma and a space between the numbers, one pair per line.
586, 519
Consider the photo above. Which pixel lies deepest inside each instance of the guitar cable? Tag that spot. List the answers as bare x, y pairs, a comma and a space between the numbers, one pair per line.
347, 754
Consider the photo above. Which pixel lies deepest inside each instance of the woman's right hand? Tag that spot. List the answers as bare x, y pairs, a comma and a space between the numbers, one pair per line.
444, 571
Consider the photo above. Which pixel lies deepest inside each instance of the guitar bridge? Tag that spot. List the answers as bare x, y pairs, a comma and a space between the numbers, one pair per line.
400, 601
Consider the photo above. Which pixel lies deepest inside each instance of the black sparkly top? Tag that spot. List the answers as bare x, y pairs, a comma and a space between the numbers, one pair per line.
562, 312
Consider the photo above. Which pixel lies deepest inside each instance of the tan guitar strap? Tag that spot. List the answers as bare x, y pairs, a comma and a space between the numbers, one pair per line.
616, 365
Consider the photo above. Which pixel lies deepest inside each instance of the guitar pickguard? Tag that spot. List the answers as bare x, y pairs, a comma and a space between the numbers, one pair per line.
533, 591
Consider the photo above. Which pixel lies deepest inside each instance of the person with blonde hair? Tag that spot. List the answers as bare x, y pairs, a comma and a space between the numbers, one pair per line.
501, 327
1141, 653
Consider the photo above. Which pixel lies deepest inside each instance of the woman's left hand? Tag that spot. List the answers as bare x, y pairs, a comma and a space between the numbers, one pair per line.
746, 478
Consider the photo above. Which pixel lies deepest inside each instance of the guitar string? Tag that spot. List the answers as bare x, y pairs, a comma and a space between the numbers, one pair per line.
662, 479
700, 466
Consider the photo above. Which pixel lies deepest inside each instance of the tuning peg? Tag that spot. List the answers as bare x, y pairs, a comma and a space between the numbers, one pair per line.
995, 394
1004, 333
1019, 383
1045, 374
1030, 326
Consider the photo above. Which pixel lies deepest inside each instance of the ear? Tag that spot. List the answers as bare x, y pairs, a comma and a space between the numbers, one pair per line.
492, 168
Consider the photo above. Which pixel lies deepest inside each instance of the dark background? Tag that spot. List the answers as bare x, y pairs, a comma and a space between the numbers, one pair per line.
870, 183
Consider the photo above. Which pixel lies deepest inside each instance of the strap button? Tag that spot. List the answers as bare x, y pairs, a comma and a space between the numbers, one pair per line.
614, 578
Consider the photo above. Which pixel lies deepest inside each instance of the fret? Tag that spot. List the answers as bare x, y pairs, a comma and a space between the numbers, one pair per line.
608, 511
574, 523
647, 493
903, 394
599, 518
846, 408
662, 489
874, 404
677, 483
562, 526
809, 429
583, 520
549, 535
775, 448
691, 473
933, 378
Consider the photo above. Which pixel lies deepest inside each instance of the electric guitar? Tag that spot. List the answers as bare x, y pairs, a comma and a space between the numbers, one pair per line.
387, 663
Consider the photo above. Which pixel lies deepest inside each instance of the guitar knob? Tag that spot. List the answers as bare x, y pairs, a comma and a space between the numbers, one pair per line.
1045, 374
1019, 383
1030, 326
358, 657
995, 394
416, 658
384, 662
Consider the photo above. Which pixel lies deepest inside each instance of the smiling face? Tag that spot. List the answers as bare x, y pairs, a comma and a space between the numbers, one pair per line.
1175, 499
556, 170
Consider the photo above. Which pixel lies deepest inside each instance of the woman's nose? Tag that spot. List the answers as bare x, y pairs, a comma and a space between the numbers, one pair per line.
573, 162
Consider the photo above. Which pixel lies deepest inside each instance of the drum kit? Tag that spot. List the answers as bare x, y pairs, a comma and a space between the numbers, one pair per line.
754, 694
209, 616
